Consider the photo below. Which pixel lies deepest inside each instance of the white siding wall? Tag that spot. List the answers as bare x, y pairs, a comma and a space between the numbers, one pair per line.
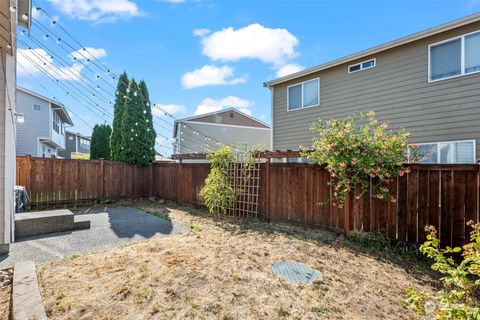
36, 125
7, 149
230, 135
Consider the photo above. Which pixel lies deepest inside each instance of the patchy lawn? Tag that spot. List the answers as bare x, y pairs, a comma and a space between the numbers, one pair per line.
222, 272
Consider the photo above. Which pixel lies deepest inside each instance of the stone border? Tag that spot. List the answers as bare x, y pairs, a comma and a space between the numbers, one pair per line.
26, 298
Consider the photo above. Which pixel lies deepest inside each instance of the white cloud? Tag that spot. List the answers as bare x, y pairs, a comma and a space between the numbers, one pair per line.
97, 10
201, 32
275, 46
88, 53
159, 109
38, 60
174, 1
211, 75
210, 105
288, 69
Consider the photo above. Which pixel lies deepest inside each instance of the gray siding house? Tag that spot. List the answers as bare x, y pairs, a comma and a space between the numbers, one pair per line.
427, 83
42, 133
74, 143
232, 127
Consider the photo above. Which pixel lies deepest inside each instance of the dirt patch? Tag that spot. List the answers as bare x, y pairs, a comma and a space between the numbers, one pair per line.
222, 272
5, 296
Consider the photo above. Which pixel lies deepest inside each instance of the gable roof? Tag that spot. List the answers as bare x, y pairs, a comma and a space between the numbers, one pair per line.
389, 45
61, 109
199, 118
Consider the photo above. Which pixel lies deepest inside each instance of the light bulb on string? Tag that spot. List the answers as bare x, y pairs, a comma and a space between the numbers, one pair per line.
13, 8
45, 37
53, 23
59, 40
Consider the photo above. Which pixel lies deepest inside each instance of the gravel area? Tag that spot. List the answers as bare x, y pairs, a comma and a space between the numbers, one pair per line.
109, 227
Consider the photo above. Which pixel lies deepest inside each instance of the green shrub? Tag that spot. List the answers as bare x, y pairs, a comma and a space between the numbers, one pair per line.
458, 299
359, 155
218, 192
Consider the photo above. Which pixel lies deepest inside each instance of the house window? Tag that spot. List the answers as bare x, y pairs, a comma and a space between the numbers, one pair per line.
70, 138
362, 65
455, 57
304, 95
37, 107
56, 122
84, 143
241, 146
447, 152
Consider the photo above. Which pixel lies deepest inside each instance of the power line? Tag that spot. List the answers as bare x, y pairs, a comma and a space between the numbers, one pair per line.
103, 68
60, 74
48, 91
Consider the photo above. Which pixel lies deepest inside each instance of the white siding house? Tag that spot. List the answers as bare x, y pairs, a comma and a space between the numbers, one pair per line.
8, 113
230, 126
42, 134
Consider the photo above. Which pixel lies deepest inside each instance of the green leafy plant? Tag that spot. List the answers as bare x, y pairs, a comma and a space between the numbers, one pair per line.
359, 151
458, 299
218, 191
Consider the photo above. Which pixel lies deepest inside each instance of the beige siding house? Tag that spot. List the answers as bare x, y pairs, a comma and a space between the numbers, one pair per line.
427, 83
232, 127
11, 13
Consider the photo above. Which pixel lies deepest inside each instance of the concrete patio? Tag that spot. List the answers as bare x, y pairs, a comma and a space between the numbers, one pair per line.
109, 227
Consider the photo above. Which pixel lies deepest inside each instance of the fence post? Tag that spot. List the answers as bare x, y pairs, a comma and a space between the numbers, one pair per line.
102, 180
179, 184
267, 190
28, 174
346, 213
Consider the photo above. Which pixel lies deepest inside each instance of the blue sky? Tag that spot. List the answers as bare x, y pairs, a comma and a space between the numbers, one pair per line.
199, 56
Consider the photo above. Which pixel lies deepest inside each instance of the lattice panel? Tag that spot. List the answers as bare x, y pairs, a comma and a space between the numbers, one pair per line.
244, 177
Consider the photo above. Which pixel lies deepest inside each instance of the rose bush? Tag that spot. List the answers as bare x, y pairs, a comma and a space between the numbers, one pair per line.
359, 151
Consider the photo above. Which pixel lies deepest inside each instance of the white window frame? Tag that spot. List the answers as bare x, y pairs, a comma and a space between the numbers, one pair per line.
454, 141
361, 66
56, 122
302, 83
462, 57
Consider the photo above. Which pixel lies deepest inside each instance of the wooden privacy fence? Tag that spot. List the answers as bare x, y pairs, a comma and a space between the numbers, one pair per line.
446, 196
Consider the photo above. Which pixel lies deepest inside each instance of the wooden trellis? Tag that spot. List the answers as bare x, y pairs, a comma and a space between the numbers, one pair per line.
244, 177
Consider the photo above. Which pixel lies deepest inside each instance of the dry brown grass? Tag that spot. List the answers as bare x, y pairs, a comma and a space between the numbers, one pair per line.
222, 272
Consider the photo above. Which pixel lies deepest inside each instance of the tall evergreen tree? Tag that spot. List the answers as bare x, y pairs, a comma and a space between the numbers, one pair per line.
116, 136
135, 135
149, 119
100, 144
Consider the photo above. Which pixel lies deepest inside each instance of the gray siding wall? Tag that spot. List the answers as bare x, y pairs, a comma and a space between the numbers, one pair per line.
69, 145
230, 135
397, 89
36, 125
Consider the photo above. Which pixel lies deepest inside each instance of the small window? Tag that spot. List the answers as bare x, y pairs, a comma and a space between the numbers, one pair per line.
304, 95
37, 107
455, 57
56, 122
84, 143
241, 146
70, 138
362, 66
447, 152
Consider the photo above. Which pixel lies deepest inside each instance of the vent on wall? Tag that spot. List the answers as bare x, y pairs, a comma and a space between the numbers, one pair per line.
231, 114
